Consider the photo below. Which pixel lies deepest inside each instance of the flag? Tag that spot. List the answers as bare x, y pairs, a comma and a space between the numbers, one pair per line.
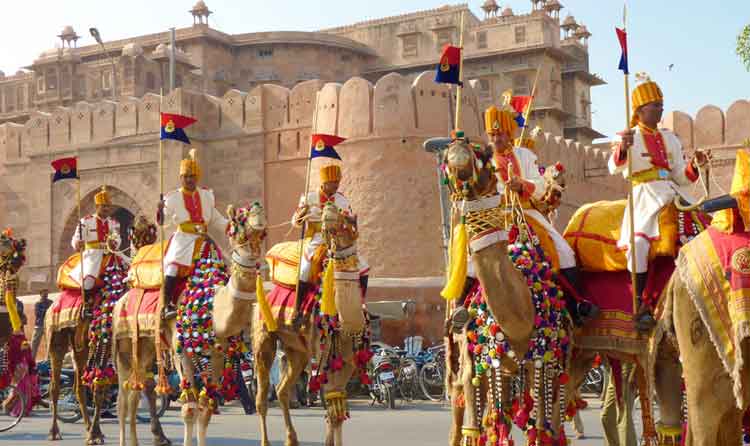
322, 146
622, 36
173, 127
520, 104
65, 168
449, 68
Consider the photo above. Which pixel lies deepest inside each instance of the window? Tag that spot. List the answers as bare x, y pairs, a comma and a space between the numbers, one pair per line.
20, 97
40, 84
265, 53
520, 34
482, 39
150, 81
177, 81
106, 80
444, 37
484, 86
346, 58
409, 46
51, 79
81, 85
10, 99
520, 84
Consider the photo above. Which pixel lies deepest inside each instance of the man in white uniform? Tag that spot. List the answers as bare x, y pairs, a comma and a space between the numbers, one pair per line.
659, 170
517, 170
309, 213
191, 209
93, 234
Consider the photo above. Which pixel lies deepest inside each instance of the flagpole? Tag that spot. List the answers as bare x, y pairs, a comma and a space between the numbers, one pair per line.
460, 86
631, 217
527, 113
82, 241
161, 383
303, 229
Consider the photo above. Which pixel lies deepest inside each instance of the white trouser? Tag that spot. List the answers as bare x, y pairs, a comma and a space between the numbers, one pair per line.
565, 254
642, 247
92, 265
307, 255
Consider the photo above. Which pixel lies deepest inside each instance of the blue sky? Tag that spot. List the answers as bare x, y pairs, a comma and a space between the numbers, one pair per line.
698, 37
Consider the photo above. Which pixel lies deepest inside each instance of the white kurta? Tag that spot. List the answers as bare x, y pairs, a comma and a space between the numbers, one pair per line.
649, 198
182, 244
92, 257
527, 162
315, 211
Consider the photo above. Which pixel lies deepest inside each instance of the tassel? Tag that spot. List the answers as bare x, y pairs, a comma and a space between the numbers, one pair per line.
459, 263
265, 308
10, 304
328, 302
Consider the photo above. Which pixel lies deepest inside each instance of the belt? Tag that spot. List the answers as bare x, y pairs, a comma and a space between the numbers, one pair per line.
647, 176
94, 245
192, 228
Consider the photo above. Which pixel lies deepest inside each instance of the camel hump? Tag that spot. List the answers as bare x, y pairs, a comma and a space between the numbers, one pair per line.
145, 269
594, 230
283, 259
64, 282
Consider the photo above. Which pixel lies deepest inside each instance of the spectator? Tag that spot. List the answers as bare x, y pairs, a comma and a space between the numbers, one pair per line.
40, 309
21, 314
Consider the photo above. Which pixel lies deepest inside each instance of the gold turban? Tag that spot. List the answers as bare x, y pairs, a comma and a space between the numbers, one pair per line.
724, 219
332, 172
102, 197
496, 121
189, 166
645, 93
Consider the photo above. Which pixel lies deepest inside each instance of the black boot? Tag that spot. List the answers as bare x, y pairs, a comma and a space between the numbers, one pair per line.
302, 289
644, 320
581, 311
170, 308
460, 316
363, 284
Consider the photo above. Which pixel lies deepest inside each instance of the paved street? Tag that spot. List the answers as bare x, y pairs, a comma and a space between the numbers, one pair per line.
418, 424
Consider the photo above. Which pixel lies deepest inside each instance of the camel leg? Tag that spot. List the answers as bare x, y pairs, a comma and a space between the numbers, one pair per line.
159, 438
189, 410
668, 382
122, 362
264, 355
337, 383
58, 345
206, 409
79, 361
454, 345
296, 363
96, 436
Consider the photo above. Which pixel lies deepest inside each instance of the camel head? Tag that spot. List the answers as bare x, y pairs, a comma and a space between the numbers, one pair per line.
468, 169
142, 233
247, 229
339, 228
554, 184
12, 252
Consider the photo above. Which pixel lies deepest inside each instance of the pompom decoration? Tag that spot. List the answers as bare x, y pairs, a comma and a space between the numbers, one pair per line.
100, 370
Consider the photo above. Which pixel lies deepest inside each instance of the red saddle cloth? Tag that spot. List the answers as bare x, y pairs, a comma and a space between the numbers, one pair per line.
281, 299
66, 311
612, 292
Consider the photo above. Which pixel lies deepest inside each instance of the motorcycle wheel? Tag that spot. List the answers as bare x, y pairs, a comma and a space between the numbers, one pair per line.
142, 414
388, 397
67, 406
431, 381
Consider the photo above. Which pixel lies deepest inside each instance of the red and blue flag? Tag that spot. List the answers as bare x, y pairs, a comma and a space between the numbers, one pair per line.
65, 168
173, 127
520, 104
323, 146
449, 68
622, 36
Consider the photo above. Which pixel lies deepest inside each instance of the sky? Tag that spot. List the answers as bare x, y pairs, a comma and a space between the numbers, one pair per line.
696, 37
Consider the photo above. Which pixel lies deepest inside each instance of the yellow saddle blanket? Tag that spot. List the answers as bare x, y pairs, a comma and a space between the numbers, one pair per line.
594, 230
64, 282
283, 259
145, 270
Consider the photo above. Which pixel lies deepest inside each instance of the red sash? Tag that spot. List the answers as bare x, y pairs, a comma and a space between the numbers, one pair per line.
102, 229
656, 147
192, 202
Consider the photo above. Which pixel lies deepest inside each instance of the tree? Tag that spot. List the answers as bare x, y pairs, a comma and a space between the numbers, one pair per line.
743, 46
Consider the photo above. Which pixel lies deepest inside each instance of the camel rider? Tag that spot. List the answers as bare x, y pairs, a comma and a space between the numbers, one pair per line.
191, 209
309, 212
659, 169
517, 170
93, 234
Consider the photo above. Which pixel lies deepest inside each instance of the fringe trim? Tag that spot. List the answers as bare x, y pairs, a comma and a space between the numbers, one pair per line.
741, 334
609, 343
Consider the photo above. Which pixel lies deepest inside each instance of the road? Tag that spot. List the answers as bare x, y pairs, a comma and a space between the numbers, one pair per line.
416, 424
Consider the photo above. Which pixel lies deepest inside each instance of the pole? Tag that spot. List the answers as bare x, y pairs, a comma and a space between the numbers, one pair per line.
161, 386
172, 53
460, 86
631, 217
527, 113
444, 219
300, 250
82, 240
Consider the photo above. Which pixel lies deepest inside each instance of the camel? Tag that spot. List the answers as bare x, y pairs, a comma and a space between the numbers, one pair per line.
717, 382
338, 346
142, 237
67, 330
12, 258
507, 296
232, 313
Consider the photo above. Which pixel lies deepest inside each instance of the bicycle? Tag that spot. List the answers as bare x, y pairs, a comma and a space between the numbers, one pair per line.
432, 375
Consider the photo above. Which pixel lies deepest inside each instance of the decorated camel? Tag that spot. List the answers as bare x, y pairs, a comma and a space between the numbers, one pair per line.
510, 330
83, 325
134, 346
705, 324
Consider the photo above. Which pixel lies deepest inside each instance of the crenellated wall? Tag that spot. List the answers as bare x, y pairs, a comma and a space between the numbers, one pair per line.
254, 145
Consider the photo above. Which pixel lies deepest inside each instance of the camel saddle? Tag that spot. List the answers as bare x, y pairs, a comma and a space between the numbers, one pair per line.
283, 259
594, 229
65, 312
64, 282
